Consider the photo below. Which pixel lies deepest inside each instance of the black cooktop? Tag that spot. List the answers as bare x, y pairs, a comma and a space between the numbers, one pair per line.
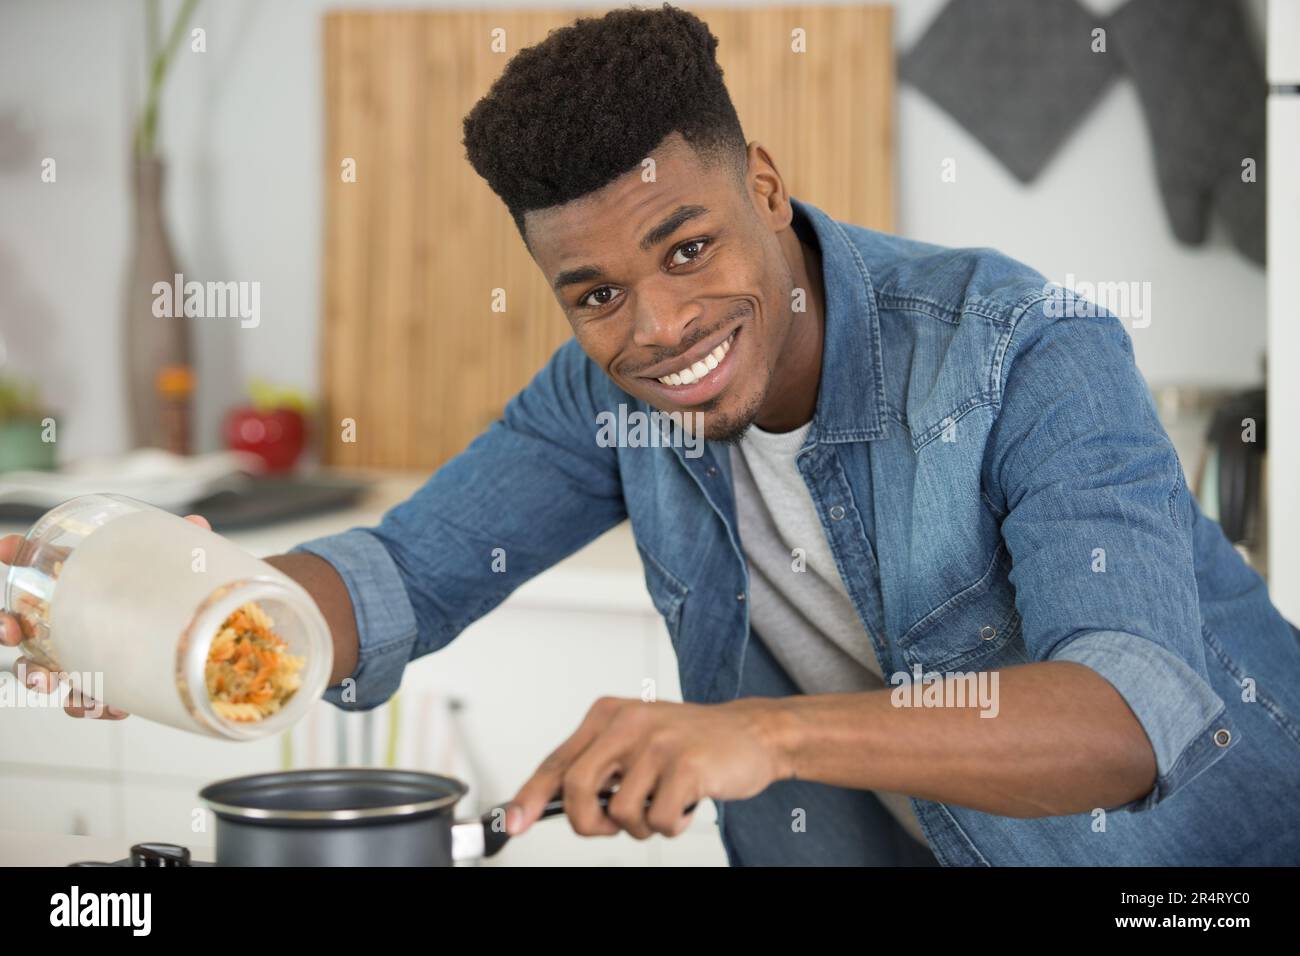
256, 502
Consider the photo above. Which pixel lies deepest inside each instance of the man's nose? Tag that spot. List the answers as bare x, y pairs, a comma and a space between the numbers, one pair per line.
662, 319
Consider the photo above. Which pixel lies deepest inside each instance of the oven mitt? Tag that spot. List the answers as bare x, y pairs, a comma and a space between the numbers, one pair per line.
1203, 93
1018, 74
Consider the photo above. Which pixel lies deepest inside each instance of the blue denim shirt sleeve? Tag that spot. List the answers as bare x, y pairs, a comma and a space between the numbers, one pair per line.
1098, 522
386, 625
529, 491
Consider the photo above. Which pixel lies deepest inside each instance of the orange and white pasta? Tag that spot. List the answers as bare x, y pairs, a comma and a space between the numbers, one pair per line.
249, 672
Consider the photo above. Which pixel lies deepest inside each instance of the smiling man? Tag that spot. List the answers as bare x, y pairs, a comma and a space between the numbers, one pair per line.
911, 467
918, 461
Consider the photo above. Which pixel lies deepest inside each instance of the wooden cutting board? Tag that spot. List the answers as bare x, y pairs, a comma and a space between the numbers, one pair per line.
412, 352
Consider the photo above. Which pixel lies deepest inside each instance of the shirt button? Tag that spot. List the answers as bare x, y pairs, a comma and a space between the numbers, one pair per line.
987, 633
837, 512
711, 471
740, 595
1222, 737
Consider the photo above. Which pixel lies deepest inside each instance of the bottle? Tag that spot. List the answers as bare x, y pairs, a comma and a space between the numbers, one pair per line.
175, 395
154, 338
126, 600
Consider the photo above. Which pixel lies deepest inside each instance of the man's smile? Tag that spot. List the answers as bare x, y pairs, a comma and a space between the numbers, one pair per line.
699, 370
700, 373
698, 376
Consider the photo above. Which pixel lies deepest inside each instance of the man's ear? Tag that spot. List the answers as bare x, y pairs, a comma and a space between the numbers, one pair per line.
766, 188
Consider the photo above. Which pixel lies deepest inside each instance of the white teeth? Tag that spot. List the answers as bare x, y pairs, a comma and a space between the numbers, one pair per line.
693, 373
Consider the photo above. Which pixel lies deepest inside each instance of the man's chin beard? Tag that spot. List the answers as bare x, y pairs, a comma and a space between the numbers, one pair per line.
730, 436
730, 429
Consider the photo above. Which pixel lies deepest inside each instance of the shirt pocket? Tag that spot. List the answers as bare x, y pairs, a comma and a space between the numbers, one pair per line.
667, 591
978, 628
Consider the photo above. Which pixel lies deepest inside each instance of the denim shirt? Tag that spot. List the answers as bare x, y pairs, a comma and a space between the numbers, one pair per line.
996, 488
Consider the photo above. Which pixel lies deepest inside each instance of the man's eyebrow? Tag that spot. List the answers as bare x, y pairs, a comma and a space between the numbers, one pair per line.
574, 276
670, 224
673, 222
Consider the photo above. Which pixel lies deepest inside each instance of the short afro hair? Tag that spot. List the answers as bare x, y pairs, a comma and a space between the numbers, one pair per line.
591, 101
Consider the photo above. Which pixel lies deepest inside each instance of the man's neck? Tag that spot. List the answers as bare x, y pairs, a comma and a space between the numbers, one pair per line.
792, 393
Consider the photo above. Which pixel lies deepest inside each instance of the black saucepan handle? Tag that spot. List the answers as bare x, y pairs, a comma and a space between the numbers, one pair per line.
494, 830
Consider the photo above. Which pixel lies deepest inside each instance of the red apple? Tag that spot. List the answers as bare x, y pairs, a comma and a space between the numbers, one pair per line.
277, 436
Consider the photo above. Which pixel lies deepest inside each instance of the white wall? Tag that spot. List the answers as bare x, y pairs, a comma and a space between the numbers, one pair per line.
1284, 317
242, 130
1094, 212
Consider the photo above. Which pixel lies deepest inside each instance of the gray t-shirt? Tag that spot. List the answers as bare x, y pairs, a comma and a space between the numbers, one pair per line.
804, 617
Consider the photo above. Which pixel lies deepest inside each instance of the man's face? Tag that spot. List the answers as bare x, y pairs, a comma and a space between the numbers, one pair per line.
678, 288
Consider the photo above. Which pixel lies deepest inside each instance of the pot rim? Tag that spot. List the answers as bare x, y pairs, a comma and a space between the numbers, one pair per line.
217, 801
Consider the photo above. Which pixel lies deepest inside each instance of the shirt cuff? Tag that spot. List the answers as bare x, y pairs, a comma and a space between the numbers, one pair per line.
384, 617
1185, 720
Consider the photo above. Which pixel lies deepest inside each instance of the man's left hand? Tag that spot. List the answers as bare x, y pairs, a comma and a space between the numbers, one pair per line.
664, 756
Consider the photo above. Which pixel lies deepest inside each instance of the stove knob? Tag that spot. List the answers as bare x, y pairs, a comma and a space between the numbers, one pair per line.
159, 854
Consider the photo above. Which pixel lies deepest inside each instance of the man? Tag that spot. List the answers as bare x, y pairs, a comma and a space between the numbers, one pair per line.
918, 461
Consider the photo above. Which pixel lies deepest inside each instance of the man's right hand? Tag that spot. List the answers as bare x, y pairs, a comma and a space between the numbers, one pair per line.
34, 675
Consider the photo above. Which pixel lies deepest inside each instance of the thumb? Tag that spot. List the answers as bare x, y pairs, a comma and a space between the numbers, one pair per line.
9, 546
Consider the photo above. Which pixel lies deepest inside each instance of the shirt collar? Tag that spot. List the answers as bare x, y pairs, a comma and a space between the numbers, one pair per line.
851, 396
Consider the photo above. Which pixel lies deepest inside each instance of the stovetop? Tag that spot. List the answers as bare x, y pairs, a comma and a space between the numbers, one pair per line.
151, 854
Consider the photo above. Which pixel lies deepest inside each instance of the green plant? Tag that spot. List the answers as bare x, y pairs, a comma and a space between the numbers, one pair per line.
160, 59
266, 397
19, 401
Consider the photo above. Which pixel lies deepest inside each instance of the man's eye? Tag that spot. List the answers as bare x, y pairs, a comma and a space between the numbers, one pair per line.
591, 300
695, 244
604, 295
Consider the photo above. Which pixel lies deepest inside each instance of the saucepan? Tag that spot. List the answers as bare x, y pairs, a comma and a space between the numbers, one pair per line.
352, 816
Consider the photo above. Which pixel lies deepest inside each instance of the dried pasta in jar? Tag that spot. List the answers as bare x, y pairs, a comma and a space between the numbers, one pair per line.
33, 613
249, 672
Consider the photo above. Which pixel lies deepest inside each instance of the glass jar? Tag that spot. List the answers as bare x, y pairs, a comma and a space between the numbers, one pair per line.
120, 597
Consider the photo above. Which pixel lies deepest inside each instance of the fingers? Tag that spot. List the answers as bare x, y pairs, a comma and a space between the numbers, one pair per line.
582, 785
656, 791
612, 754
627, 807
82, 705
677, 790
10, 633
199, 520
42, 680
626, 741
527, 806
9, 546
33, 676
